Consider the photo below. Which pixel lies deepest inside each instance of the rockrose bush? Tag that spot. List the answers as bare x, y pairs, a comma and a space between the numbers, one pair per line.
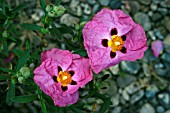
56, 67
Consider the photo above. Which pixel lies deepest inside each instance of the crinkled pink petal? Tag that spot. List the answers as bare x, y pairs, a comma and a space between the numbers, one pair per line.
43, 76
100, 59
157, 47
82, 74
62, 57
63, 99
136, 38
115, 19
76, 56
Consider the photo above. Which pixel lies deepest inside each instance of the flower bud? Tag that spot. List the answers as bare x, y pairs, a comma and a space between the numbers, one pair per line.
21, 80
59, 10
25, 72
48, 8
51, 14
44, 31
5, 34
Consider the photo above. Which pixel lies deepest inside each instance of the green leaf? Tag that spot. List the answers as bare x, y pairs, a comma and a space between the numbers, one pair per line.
5, 47
24, 99
65, 29
105, 106
81, 52
11, 92
76, 110
43, 4
27, 45
43, 105
19, 8
55, 31
27, 26
3, 77
58, 2
18, 52
23, 60
3, 8
6, 70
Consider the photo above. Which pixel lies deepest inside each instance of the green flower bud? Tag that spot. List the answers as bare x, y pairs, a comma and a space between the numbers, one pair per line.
25, 71
51, 14
48, 8
5, 34
59, 10
44, 31
21, 80
83, 23
18, 74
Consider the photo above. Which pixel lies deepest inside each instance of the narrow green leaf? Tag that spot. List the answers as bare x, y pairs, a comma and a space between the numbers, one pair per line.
18, 52
3, 7
43, 105
43, 4
5, 47
19, 8
58, 2
105, 106
76, 110
6, 70
65, 29
27, 26
55, 31
11, 92
27, 45
2, 16
24, 99
3, 77
81, 52
23, 59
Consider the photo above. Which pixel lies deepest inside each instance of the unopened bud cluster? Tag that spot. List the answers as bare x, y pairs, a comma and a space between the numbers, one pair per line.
53, 10
23, 74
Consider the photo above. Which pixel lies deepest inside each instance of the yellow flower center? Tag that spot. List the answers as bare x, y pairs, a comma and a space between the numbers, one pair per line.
116, 43
64, 78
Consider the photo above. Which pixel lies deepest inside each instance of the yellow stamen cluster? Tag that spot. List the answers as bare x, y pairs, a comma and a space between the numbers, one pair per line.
64, 78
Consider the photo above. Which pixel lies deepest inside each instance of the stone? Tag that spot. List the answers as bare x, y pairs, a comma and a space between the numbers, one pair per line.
104, 2
116, 109
166, 43
134, 6
125, 95
152, 35
96, 8
131, 67
69, 20
91, 2
163, 11
156, 17
123, 81
151, 91
166, 57
75, 8
150, 13
87, 9
160, 109
65, 1
147, 108
167, 23
115, 4
143, 20
145, 2
164, 99
158, 34
146, 70
115, 100
153, 7
168, 111
114, 69
133, 87
136, 97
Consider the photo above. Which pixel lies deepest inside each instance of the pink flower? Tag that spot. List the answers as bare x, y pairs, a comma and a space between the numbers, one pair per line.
112, 36
61, 74
157, 47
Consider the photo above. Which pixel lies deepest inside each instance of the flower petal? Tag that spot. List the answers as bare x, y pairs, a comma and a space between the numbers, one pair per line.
62, 57
63, 99
157, 47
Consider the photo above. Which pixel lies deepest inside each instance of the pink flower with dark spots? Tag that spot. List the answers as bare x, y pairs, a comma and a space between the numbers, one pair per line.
112, 36
61, 74
157, 47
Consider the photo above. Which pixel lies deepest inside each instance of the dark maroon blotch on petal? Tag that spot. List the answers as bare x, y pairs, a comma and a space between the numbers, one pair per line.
55, 79
112, 54
123, 37
71, 72
105, 42
59, 69
64, 88
113, 32
123, 50
73, 82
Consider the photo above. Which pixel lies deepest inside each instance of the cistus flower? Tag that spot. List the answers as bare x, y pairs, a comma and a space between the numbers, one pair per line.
112, 36
61, 74
157, 47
